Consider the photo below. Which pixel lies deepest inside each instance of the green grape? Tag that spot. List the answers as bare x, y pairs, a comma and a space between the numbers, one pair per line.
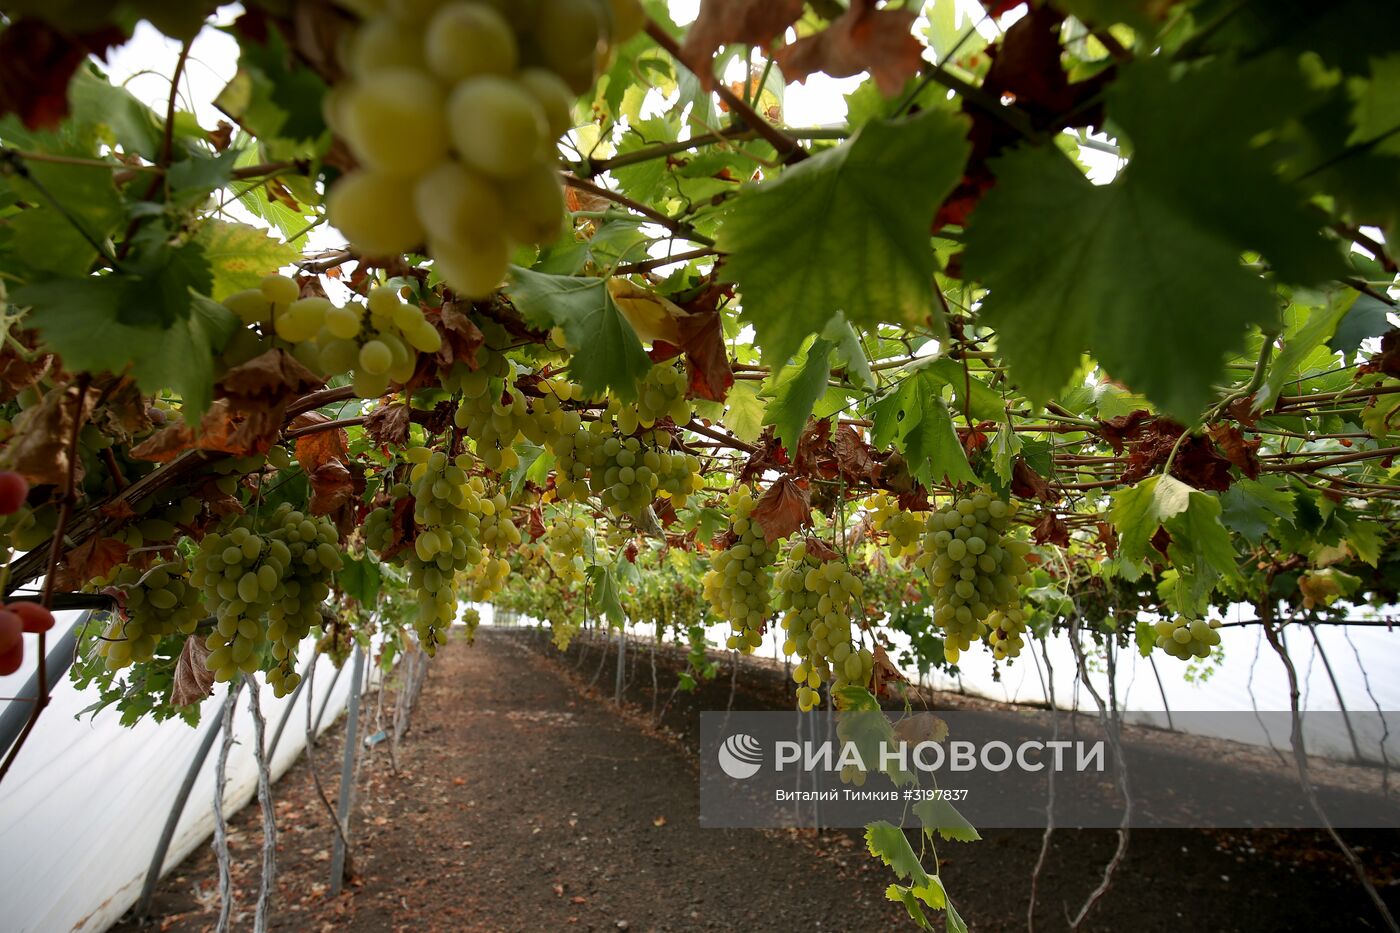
739, 580
381, 42
473, 271
279, 289
463, 40
1007, 628
1187, 638
497, 126
556, 98
343, 323
156, 604
375, 212
376, 357
818, 599
395, 122
566, 541
537, 206
973, 567
904, 529
566, 39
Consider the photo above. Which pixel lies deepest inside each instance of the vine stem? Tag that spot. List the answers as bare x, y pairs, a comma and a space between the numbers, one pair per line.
269, 818
1300, 760
679, 227
65, 514
221, 853
787, 146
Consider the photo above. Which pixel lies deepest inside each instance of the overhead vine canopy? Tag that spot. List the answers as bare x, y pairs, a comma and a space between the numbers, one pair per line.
916, 370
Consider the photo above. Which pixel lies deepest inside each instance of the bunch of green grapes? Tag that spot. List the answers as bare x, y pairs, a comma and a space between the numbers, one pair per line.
155, 605
497, 415
471, 618
819, 600
1187, 638
486, 579
452, 109
973, 567
1007, 630
447, 512
738, 582
903, 528
660, 395
565, 542
378, 343
29, 526
625, 472
498, 529
265, 586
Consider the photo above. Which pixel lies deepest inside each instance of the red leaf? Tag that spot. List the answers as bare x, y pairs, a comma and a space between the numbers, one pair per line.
1108, 537
746, 22
193, 681
861, 39
318, 448
95, 557
853, 455
1123, 428
706, 357
783, 508
536, 527
37, 60
387, 425
1051, 529
461, 338
1244, 454
1028, 484
331, 486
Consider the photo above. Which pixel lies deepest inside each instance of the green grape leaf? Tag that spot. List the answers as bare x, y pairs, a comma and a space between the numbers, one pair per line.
115, 112
938, 816
607, 354
795, 391
1376, 113
744, 416
888, 843
603, 597
849, 351
855, 221
902, 894
1140, 510
1142, 15
240, 255
79, 320
915, 419
956, 924
1005, 446
1367, 317
359, 578
969, 392
1145, 637
163, 284
1063, 257
1250, 507
192, 179
1364, 539
1317, 327
1201, 548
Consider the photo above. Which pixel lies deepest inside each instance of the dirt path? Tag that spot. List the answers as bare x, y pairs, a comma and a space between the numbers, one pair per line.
524, 806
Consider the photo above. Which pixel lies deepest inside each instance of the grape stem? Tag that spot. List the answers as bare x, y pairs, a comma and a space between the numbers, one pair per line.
679, 227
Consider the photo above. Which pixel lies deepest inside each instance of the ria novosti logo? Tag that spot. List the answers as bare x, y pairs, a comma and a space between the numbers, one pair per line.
741, 756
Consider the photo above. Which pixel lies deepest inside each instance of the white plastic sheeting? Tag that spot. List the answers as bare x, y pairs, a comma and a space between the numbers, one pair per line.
83, 807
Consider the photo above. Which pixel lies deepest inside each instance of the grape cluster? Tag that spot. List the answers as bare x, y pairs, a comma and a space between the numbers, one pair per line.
377, 343
973, 567
625, 472
451, 110
156, 604
661, 394
1007, 628
1187, 638
739, 580
265, 586
819, 600
565, 541
447, 511
903, 528
471, 618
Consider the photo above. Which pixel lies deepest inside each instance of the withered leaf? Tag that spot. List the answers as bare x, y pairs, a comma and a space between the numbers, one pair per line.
861, 39
1243, 453
785, 507
193, 681
461, 338
318, 448
331, 486
42, 434
747, 22
1051, 529
95, 557
388, 425
37, 61
1028, 484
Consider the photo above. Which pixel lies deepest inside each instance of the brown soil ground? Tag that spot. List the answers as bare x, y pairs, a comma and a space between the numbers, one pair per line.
525, 801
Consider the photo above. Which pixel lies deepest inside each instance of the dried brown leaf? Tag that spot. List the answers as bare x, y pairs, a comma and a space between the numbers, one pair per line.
193, 681
318, 448
861, 39
784, 508
42, 434
724, 22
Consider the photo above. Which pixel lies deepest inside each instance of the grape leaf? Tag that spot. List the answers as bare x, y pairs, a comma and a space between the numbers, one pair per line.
1139, 511
1063, 257
888, 843
240, 255
1200, 545
603, 594
855, 219
1249, 507
1315, 327
608, 355
1005, 446
795, 391
79, 320
745, 415
360, 579
1377, 106
1367, 317
941, 817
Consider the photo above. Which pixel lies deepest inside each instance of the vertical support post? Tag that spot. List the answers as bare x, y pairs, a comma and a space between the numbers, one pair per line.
621, 664
347, 774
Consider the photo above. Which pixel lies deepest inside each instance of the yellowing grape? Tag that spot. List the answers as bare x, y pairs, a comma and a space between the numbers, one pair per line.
376, 357
555, 97
497, 126
395, 122
474, 271
459, 205
343, 323
279, 289
375, 212
379, 43
466, 39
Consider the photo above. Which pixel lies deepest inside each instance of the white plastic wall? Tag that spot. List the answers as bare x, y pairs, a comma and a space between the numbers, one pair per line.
83, 807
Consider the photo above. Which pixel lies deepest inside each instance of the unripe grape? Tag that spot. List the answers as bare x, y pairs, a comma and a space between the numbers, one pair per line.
466, 39
497, 126
474, 271
555, 96
459, 206
537, 206
343, 323
394, 122
382, 42
375, 212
